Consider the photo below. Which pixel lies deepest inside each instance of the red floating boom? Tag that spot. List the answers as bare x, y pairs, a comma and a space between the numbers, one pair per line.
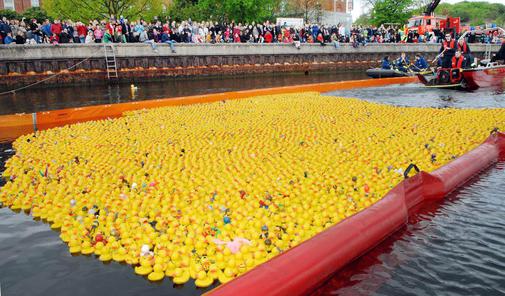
303, 268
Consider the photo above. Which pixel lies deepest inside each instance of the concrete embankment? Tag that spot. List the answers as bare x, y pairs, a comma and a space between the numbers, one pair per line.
24, 64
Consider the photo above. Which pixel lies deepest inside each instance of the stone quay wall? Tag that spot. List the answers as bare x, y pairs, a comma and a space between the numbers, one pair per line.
85, 63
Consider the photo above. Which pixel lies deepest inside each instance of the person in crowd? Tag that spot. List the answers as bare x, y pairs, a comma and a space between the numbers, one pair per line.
46, 31
144, 38
56, 27
35, 30
189, 31
55, 39
107, 37
82, 32
65, 37
8, 38
90, 38
20, 39
165, 38
98, 34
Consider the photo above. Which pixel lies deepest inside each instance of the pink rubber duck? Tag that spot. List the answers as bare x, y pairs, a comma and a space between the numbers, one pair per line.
234, 245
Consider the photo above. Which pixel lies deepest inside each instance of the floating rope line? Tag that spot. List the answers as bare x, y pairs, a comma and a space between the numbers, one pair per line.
13, 91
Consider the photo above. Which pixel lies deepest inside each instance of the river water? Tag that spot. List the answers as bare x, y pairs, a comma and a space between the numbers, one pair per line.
51, 98
453, 247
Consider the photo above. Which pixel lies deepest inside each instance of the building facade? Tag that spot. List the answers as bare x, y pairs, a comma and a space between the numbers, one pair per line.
19, 5
337, 12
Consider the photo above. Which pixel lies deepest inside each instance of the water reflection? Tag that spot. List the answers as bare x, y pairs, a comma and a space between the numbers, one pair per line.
42, 99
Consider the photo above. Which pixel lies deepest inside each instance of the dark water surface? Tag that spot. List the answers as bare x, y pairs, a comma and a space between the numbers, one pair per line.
43, 99
415, 95
453, 247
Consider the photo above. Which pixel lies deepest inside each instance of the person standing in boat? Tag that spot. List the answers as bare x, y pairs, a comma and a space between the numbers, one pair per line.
447, 51
403, 62
500, 55
465, 51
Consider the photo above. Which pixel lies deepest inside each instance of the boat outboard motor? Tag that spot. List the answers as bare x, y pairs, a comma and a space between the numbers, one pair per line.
444, 77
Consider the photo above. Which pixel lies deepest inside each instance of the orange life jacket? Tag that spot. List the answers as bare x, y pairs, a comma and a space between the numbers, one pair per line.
464, 48
450, 45
457, 62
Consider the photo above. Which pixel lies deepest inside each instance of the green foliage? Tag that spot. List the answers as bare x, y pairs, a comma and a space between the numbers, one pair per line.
363, 20
35, 13
474, 13
102, 9
227, 10
391, 11
9, 14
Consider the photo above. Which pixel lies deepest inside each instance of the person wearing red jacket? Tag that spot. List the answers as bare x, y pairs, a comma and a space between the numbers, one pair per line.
458, 61
268, 37
56, 28
82, 31
447, 50
465, 50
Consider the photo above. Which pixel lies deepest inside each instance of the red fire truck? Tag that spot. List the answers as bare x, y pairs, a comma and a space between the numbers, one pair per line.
428, 21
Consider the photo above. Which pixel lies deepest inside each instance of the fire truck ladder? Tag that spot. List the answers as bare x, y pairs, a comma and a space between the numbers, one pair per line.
110, 61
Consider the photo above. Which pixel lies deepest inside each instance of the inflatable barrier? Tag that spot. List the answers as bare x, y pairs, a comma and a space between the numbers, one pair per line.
13, 126
303, 268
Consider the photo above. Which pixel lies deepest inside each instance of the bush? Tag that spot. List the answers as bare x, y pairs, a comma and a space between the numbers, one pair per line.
9, 14
36, 13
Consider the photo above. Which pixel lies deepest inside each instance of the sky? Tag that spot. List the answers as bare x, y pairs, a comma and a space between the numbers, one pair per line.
358, 9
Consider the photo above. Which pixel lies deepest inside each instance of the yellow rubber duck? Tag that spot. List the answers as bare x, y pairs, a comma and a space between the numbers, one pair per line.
87, 248
203, 280
157, 274
181, 276
225, 276
275, 191
144, 268
119, 255
105, 256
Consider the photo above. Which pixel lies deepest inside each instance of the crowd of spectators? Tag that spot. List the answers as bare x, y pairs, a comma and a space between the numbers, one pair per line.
122, 31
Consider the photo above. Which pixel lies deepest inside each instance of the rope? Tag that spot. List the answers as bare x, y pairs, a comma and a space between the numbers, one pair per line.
13, 91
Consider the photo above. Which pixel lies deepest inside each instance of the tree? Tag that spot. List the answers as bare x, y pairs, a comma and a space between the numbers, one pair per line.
224, 10
474, 13
35, 13
9, 14
391, 11
99, 9
309, 10
363, 20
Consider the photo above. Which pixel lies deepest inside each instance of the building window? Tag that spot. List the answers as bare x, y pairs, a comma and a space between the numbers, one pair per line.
35, 3
9, 4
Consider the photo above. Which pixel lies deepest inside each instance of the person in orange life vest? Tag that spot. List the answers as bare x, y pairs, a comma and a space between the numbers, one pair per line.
465, 51
447, 50
458, 63
458, 60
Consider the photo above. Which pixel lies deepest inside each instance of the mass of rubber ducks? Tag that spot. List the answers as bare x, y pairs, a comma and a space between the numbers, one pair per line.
209, 191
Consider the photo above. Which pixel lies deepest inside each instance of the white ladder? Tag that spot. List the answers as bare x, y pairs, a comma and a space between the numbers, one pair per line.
487, 53
110, 61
